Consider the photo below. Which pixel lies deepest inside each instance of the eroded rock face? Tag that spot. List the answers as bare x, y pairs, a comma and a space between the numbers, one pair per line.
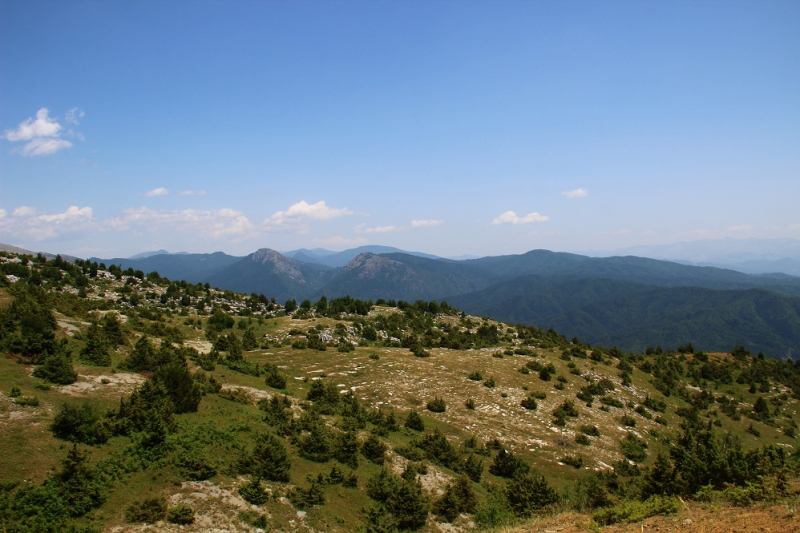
281, 264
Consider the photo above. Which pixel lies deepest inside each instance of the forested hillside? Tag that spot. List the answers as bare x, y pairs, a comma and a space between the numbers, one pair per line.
128, 398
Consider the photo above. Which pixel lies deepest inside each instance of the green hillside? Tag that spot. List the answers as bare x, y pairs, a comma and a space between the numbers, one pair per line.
634, 316
128, 399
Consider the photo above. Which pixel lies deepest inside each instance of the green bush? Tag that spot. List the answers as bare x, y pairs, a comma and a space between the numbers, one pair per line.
27, 401
269, 459
508, 465
475, 376
57, 366
494, 511
575, 461
437, 405
457, 498
414, 421
374, 449
636, 511
254, 492
150, 510
79, 424
529, 493
180, 514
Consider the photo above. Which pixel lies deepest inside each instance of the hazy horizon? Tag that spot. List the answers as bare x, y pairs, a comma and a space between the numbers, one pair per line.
449, 128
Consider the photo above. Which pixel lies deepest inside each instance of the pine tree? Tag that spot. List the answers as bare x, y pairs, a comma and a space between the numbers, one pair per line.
57, 366
96, 350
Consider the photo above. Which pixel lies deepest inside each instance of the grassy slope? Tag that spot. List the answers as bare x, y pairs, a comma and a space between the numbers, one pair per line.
395, 380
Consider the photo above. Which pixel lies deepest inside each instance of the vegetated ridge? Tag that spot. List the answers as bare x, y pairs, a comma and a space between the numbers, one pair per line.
663, 303
130, 399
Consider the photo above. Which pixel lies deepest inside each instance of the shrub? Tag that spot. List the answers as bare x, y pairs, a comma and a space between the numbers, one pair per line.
636, 511
439, 450
180, 386
575, 461
414, 421
529, 403
150, 511
508, 465
27, 401
374, 449
634, 448
590, 430
494, 511
470, 404
437, 405
15, 392
57, 367
254, 492
180, 514
457, 498
96, 350
583, 440
475, 376
79, 424
529, 493
489, 383
269, 460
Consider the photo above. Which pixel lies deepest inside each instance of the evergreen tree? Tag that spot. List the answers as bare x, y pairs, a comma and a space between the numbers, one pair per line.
249, 341
529, 493
28, 326
143, 356
269, 459
96, 350
182, 389
57, 366
414, 421
113, 330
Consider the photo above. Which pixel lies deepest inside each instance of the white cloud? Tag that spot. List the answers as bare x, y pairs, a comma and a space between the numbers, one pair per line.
576, 193
159, 191
74, 115
42, 146
193, 193
207, 223
42, 134
26, 223
510, 217
381, 229
29, 129
302, 212
426, 223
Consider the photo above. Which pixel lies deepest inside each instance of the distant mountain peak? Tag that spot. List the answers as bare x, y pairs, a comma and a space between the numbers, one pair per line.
281, 264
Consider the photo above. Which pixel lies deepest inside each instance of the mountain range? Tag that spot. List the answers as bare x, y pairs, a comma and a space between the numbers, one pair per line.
628, 301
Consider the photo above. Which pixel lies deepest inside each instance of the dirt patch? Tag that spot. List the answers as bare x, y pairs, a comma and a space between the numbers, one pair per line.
693, 518
107, 384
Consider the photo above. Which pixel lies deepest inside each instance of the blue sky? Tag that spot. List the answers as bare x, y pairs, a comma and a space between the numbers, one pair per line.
452, 128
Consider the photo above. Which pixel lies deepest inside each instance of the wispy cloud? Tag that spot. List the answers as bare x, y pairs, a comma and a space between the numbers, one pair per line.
299, 214
74, 115
207, 223
27, 223
201, 192
426, 223
362, 228
743, 227
42, 135
576, 193
159, 191
510, 217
